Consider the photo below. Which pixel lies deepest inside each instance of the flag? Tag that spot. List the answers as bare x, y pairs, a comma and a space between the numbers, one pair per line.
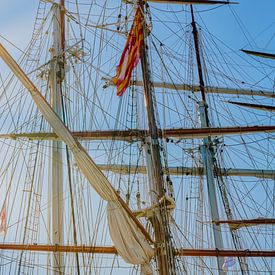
228, 262
3, 220
130, 55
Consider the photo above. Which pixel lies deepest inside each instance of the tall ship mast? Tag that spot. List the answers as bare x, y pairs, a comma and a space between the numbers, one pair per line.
135, 141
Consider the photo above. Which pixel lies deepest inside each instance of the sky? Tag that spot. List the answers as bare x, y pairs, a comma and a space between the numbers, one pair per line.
16, 20
244, 23
17, 17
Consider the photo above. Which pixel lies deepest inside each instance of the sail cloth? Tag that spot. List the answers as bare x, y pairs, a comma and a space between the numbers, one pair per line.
128, 238
3, 220
130, 55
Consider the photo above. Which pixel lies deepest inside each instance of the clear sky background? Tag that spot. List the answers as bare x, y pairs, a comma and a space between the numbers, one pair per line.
17, 18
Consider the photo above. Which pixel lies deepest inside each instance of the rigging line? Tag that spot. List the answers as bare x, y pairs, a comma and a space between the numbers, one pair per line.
244, 196
169, 50
78, 15
6, 105
252, 235
7, 100
11, 76
17, 99
130, 113
258, 58
45, 206
232, 50
261, 33
210, 9
27, 220
164, 146
72, 207
88, 15
17, 155
96, 80
105, 6
135, 173
168, 73
88, 99
104, 112
172, 31
86, 24
226, 63
214, 55
181, 28
225, 106
70, 183
169, 108
252, 142
260, 206
235, 234
242, 26
111, 153
244, 158
202, 260
24, 52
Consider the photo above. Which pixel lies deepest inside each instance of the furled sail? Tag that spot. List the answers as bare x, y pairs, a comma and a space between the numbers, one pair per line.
128, 235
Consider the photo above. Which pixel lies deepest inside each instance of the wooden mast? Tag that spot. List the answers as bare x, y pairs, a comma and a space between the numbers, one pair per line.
56, 179
163, 243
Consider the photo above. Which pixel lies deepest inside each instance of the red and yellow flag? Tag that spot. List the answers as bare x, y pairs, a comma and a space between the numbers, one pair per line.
130, 55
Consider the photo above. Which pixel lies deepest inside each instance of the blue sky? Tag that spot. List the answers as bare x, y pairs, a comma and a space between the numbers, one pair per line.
255, 16
17, 19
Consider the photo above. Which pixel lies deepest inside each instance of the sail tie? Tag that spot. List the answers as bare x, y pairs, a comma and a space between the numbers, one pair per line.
149, 212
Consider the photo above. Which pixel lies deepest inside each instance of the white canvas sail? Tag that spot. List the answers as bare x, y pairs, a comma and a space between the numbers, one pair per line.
3, 220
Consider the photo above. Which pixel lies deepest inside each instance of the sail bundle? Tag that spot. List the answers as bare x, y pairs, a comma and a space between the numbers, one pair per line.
129, 239
3, 220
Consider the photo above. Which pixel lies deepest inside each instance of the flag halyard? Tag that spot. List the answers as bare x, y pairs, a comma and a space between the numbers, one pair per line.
131, 54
